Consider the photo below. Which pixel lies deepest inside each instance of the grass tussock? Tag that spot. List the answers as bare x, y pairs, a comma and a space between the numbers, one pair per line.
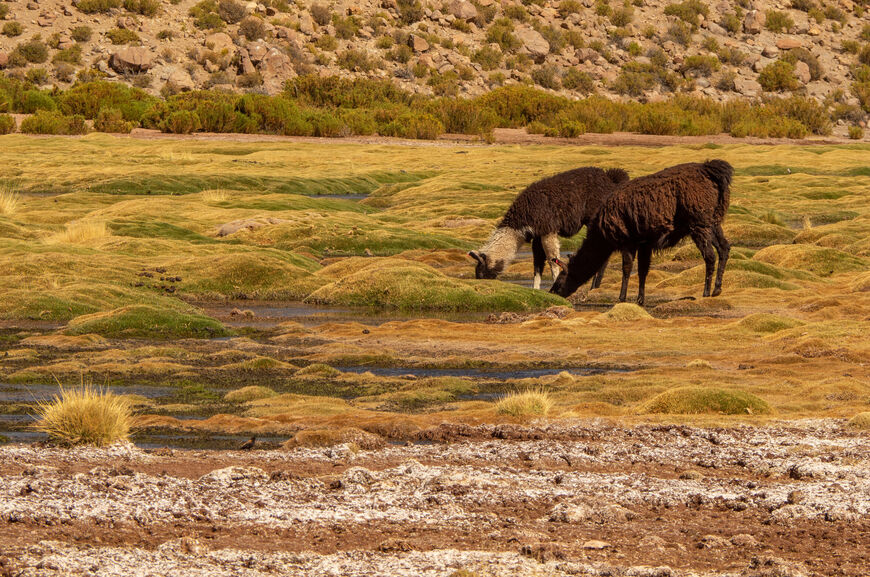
8, 201
85, 415
80, 231
768, 323
696, 400
331, 437
625, 312
146, 321
525, 404
861, 421
252, 393
214, 195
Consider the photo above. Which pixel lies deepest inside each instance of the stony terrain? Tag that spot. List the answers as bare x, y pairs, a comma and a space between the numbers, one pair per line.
577, 498
449, 47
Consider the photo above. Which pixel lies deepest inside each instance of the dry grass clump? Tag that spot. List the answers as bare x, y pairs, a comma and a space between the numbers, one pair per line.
85, 415
251, 393
531, 403
8, 201
860, 421
214, 195
695, 400
80, 231
331, 437
625, 312
768, 323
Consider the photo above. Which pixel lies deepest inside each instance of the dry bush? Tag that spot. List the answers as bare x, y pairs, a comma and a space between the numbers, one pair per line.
85, 416
531, 403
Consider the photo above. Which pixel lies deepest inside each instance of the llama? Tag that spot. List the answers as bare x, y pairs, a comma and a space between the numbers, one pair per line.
654, 212
559, 205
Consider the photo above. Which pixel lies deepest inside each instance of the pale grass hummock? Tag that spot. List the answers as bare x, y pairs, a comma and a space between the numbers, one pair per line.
85, 415
214, 195
530, 403
80, 231
8, 201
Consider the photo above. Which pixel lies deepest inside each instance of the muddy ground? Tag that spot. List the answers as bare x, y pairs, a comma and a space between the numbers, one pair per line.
576, 498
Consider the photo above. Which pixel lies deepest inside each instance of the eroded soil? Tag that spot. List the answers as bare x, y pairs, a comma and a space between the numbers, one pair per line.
575, 498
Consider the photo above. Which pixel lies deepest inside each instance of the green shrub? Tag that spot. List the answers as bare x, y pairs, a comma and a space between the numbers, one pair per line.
97, 6
7, 124
501, 32
410, 11
325, 124
568, 7
357, 60
803, 5
547, 76
835, 13
622, 16
603, 8
81, 33
37, 76
345, 27
488, 57
864, 55
327, 42
444, 84
516, 12
460, 116
122, 36
12, 28
856, 132
688, 11
148, 8
850, 46
731, 56
71, 55
415, 125
578, 81
252, 28
231, 12
34, 50
803, 55
4, 11
517, 105
112, 120
358, 122
88, 98
401, 53
680, 32
778, 77
554, 37
700, 64
778, 21
321, 14
807, 111
181, 122
732, 21
51, 122
31, 101
384, 42
334, 91
206, 15
635, 79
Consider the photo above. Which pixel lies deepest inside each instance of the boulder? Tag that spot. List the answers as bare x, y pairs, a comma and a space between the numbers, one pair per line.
747, 86
770, 52
257, 51
276, 68
787, 43
535, 44
754, 22
418, 43
219, 41
463, 10
802, 71
180, 78
132, 59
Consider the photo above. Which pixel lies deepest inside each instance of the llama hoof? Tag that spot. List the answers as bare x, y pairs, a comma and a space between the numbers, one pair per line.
717, 292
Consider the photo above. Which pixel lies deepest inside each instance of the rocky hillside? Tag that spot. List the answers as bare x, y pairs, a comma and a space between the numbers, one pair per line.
639, 49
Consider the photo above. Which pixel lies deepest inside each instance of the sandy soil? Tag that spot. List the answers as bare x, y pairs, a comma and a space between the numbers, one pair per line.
584, 498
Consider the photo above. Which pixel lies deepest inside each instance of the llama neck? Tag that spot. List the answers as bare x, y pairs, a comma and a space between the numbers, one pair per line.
503, 244
586, 262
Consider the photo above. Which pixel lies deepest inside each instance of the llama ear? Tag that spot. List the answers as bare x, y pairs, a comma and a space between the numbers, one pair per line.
475, 256
560, 264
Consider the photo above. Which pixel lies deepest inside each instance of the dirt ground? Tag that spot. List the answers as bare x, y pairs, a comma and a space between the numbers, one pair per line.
578, 498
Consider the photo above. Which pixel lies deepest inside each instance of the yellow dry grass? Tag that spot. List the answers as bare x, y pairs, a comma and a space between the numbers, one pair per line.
80, 232
9, 200
85, 415
525, 404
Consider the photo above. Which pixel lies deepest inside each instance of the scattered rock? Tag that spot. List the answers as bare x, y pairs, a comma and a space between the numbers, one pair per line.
133, 59
463, 10
802, 71
418, 43
753, 23
788, 43
532, 41
744, 540
712, 542
595, 544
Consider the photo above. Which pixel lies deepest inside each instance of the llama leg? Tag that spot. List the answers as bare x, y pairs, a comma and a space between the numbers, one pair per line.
627, 263
644, 256
704, 243
723, 247
596, 282
539, 258
551, 251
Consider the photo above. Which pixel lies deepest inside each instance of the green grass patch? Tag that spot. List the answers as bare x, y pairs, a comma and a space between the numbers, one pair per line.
695, 400
251, 393
818, 260
768, 323
144, 321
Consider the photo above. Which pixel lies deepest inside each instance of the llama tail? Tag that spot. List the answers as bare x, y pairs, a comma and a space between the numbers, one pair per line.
720, 173
617, 175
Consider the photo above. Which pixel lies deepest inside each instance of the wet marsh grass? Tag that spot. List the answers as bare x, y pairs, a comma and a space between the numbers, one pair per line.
788, 327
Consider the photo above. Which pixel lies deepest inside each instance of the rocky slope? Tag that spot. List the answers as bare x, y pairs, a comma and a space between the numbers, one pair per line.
645, 49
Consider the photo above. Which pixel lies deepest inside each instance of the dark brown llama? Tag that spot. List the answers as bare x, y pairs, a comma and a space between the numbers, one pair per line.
559, 205
652, 213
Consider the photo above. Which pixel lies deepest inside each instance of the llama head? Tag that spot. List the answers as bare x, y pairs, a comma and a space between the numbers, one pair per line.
559, 281
486, 267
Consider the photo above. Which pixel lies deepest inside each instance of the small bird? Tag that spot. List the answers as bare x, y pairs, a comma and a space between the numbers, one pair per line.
248, 445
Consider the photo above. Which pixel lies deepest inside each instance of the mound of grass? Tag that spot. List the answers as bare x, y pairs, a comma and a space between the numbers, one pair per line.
861, 421
251, 393
331, 437
695, 400
768, 323
625, 312
818, 260
318, 370
405, 285
526, 404
85, 416
146, 321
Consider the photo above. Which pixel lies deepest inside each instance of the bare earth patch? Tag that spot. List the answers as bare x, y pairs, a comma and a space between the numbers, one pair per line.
583, 498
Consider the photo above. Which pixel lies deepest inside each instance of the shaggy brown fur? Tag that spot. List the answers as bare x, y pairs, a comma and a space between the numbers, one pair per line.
559, 205
655, 212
